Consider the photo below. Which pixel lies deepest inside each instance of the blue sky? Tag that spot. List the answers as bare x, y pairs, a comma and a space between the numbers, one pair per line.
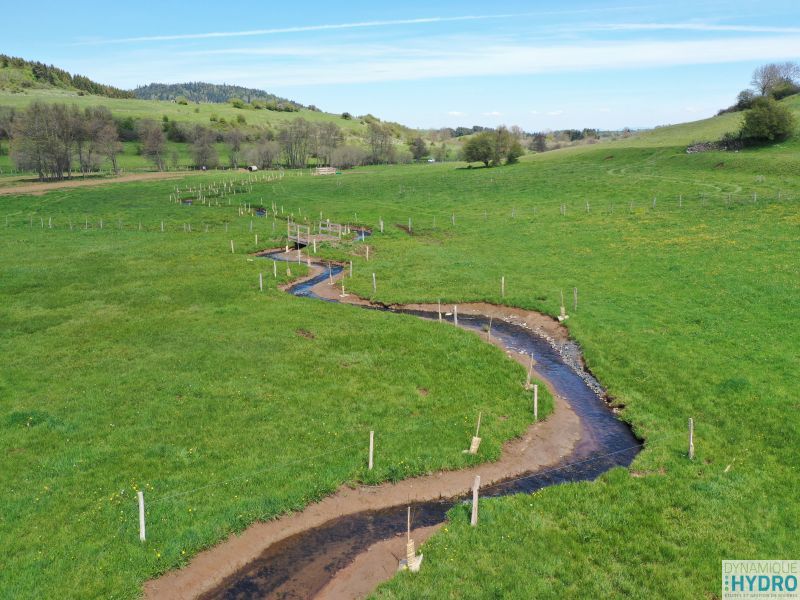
540, 65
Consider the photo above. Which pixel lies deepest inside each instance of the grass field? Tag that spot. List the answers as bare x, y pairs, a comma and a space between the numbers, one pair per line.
148, 360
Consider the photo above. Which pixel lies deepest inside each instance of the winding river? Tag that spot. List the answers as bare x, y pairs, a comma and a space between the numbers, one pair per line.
301, 565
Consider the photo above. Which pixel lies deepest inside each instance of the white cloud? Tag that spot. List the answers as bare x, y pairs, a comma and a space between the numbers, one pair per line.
428, 58
493, 113
690, 27
456, 113
555, 113
298, 29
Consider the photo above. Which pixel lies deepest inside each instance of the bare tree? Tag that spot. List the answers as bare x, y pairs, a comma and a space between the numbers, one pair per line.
379, 138
295, 139
347, 157
265, 154
105, 137
203, 151
234, 139
43, 139
29, 147
47, 137
6, 125
767, 77
154, 142
327, 138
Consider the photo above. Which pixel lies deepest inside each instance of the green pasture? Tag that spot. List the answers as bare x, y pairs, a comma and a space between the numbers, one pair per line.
148, 360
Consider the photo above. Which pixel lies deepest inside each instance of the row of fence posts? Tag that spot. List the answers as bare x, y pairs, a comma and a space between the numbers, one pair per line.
413, 561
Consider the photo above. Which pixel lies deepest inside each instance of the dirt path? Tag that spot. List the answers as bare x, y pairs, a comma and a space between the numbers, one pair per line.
543, 444
39, 188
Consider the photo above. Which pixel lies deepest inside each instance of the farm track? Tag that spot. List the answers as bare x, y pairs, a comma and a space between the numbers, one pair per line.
544, 447
39, 188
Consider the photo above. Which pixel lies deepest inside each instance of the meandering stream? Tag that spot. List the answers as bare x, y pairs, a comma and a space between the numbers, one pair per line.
301, 565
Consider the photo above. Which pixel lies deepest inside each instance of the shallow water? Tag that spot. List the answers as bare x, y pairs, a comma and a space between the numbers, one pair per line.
301, 565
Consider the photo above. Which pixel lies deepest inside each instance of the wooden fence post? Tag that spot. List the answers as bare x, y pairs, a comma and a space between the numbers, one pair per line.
455, 314
475, 485
140, 496
503, 286
371, 448
232, 247
535, 401
691, 439
374, 284
260, 282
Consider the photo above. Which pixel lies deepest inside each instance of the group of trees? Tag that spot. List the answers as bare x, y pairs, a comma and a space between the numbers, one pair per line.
773, 80
492, 147
293, 146
199, 91
765, 119
48, 74
56, 140
50, 139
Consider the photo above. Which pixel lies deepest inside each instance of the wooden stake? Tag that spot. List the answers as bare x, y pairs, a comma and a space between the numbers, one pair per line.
260, 282
374, 284
475, 486
275, 269
256, 239
503, 286
232, 247
367, 252
439, 309
691, 439
371, 448
140, 497
455, 314
351, 269
535, 401
575, 295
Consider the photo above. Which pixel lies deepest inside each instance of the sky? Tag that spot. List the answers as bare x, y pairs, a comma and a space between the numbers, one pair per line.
539, 65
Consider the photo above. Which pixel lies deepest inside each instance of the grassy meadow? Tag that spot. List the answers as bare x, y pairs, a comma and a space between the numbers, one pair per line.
148, 360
